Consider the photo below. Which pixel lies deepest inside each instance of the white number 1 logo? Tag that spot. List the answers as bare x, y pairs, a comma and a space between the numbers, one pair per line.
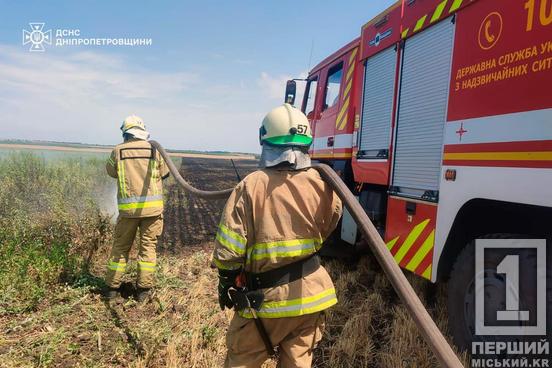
510, 267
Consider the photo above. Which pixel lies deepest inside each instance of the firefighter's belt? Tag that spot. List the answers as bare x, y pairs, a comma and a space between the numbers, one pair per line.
283, 275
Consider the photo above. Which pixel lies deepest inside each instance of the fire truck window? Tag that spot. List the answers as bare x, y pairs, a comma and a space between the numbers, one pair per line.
310, 96
333, 85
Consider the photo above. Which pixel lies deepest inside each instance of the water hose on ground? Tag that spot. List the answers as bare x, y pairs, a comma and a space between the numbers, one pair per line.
428, 328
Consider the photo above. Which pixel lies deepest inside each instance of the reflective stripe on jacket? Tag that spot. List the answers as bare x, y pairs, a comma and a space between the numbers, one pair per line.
139, 170
274, 218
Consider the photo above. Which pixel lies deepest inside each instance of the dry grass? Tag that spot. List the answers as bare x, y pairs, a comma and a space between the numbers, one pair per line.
187, 328
182, 326
370, 327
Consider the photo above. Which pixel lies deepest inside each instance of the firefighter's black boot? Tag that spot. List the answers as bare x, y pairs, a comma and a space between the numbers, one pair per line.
142, 295
110, 293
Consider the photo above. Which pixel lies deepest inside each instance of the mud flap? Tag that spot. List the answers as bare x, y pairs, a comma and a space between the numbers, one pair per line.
349, 228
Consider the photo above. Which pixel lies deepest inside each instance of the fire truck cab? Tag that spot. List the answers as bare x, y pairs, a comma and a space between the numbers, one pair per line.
439, 118
328, 97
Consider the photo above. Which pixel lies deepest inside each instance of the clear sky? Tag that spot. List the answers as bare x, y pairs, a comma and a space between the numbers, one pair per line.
212, 72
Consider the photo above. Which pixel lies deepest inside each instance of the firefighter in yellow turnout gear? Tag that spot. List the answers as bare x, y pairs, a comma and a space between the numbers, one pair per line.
139, 170
272, 227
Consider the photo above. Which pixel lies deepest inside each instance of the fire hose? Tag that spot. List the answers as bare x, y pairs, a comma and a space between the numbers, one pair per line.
427, 327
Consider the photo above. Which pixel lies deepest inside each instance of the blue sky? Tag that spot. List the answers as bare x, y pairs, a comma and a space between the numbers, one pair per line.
213, 70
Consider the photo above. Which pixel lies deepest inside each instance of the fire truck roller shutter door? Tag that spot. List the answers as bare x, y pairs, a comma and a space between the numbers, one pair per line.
377, 104
422, 109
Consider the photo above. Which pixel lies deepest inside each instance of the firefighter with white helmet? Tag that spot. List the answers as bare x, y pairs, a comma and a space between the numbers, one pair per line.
139, 170
271, 230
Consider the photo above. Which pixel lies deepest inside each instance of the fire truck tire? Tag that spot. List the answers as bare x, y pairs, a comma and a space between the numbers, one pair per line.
461, 289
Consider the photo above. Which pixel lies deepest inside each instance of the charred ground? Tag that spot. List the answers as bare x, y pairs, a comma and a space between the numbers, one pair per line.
189, 220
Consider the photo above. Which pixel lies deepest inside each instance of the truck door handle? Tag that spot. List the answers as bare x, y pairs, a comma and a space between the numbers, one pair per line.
330, 142
411, 208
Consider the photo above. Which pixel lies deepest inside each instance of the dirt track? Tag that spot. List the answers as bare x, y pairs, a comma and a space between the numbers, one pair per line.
192, 221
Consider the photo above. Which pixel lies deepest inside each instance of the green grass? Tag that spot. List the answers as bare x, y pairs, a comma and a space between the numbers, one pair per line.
50, 220
54, 242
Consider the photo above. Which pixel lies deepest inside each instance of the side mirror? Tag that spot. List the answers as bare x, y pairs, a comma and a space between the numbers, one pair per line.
291, 89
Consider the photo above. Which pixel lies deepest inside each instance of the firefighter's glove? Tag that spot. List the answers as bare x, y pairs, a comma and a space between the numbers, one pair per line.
226, 281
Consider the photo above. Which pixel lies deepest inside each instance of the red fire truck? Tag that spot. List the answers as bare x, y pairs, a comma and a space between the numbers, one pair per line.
439, 118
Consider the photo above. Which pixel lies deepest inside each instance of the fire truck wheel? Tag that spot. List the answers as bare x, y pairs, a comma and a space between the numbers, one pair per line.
461, 290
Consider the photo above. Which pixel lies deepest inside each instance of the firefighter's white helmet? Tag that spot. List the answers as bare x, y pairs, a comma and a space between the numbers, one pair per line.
135, 126
132, 121
286, 126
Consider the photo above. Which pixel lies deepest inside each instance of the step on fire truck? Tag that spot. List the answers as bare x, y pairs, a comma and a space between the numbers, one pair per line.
439, 118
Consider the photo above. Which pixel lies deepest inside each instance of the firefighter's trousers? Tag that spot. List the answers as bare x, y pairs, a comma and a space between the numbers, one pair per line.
295, 336
125, 233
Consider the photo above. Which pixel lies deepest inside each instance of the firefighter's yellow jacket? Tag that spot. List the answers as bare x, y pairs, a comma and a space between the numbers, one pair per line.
139, 170
274, 218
